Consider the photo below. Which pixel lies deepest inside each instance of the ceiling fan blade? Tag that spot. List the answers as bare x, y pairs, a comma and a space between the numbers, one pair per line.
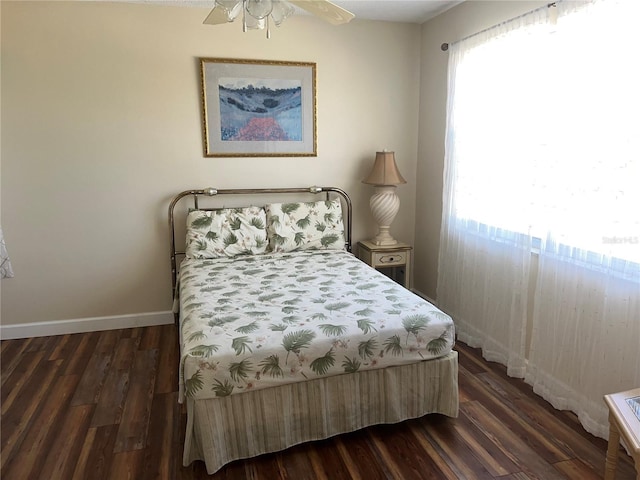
326, 10
216, 17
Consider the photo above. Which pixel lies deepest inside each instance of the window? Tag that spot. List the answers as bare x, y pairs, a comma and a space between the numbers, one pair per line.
543, 150
546, 128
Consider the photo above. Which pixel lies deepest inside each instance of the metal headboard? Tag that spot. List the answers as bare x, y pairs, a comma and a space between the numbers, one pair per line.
210, 192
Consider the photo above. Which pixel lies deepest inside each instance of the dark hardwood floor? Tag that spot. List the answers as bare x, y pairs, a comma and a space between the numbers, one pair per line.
104, 405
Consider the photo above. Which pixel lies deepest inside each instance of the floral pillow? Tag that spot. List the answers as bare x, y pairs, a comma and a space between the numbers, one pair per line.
305, 226
226, 233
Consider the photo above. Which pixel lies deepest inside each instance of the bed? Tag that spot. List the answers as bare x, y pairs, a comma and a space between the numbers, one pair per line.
285, 336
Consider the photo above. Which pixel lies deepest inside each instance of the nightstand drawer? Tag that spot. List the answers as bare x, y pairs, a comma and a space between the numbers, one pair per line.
392, 260
389, 259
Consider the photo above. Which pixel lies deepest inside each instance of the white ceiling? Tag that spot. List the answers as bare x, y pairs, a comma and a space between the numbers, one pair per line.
409, 11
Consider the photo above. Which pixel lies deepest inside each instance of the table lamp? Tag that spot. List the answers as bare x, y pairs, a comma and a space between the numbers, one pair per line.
384, 202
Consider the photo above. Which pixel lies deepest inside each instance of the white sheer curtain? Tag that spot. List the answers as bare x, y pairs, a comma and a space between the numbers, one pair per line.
586, 321
483, 269
540, 244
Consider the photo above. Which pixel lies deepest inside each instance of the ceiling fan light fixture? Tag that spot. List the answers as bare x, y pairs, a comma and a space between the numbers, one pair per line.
252, 23
281, 11
259, 9
232, 8
255, 13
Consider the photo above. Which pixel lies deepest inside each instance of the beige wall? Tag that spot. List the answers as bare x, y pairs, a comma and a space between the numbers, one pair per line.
464, 20
101, 126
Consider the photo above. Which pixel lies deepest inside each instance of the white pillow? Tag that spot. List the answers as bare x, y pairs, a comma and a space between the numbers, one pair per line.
305, 226
226, 233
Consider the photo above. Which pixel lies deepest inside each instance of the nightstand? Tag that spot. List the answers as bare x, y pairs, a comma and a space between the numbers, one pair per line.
392, 260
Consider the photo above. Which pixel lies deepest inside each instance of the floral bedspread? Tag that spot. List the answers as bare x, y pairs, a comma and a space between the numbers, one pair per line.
260, 321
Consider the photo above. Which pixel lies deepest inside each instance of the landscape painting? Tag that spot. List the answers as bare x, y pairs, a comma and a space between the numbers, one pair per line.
258, 108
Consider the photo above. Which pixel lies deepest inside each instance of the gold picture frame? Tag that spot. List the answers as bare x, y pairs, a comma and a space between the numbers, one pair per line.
258, 108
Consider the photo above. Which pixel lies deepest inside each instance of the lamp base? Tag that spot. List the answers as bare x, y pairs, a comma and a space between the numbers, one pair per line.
384, 206
383, 237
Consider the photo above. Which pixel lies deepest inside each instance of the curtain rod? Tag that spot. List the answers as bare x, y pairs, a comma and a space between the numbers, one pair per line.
445, 46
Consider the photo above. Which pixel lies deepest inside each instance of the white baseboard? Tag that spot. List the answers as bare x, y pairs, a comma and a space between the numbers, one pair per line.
81, 325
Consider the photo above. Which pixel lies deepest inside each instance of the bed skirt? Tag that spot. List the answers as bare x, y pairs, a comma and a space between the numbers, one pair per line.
220, 430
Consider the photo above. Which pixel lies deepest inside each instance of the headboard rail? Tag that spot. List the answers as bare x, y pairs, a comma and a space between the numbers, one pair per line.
211, 192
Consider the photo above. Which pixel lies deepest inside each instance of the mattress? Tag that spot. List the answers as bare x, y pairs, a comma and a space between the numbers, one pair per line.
258, 321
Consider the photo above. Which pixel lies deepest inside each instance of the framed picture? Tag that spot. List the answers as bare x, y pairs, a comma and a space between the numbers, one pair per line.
255, 108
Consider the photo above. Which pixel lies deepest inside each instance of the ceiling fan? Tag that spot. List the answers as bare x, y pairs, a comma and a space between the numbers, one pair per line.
258, 14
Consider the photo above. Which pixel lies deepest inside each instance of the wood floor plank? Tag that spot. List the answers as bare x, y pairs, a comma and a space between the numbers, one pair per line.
352, 468
81, 469
452, 447
399, 448
62, 346
296, 465
55, 388
555, 427
541, 420
16, 420
327, 462
382, 452
536, 439
116, 385
360, 458
17, 379
233, 470
157, 462
132, 433
494, 460
95, 458
43, 430
167, 361
626, 468
108, 339
517, 476
127, 465
11, 356
92, 380
97, 368
61, 460
264, 467
473, 361
42, 344
463, 395
519, 451
78, 360
150, 338
319, 470
442, 467
575, 468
